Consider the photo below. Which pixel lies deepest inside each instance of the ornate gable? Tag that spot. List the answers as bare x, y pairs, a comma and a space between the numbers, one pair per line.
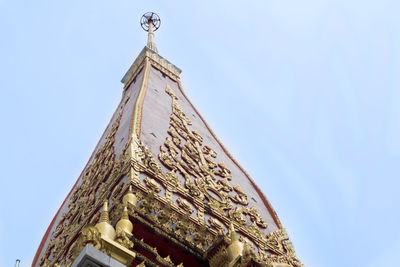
171, 193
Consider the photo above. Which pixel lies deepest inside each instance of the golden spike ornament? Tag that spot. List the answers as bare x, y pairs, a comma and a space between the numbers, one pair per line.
130, 197
235, 249
124, 224
105, 228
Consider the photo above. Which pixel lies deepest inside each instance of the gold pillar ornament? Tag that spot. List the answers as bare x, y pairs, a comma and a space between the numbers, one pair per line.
235, 249
129, 198
124, 230
124, 224
105, 228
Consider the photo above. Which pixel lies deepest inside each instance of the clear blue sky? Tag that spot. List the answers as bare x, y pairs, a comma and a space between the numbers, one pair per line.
305, 94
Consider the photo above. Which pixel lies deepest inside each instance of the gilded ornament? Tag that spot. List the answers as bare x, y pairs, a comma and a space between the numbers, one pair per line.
185, 205
235, 247
124, 224
152, 185
172, 179
237, 214
105, 228
216, 225
200, 237
87, 196
122, 238
147, 203
164, 216
182, 227
130, 197
256, 217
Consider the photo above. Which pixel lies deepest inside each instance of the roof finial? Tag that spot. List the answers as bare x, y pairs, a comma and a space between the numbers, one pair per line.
104, 226
150, 22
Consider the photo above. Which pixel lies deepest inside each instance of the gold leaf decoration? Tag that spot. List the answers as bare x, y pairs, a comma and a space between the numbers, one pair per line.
98, 182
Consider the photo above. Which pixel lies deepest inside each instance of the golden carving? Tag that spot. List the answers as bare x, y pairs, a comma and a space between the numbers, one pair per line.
234, 251
147, 204
122, 238
184, 204
278, 242
105, 228
220, 259
124, 230
99, 237
165, 215
134, 130
164, 261
200, 237
216, 225
182, 227
152, 185
89, 235
100, 181
193, 175
207, 184
195, 162
235, 248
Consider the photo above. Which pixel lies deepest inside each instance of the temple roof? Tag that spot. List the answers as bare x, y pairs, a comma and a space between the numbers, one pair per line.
158, 144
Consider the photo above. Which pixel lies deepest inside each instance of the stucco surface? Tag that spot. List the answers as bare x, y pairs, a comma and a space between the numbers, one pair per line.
155, 123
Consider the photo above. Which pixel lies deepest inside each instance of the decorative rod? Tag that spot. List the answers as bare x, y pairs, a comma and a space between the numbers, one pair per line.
150, 22
17, 263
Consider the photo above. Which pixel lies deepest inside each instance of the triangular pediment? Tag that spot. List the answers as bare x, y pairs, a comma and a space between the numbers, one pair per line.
187, 188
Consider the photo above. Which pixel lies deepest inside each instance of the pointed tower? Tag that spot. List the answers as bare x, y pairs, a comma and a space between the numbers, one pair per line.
161, 190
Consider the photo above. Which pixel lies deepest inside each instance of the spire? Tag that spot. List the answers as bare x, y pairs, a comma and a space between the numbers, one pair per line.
124, 224
235, 249
130, 197
104, 226
233, 234
104, 214
150, 22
